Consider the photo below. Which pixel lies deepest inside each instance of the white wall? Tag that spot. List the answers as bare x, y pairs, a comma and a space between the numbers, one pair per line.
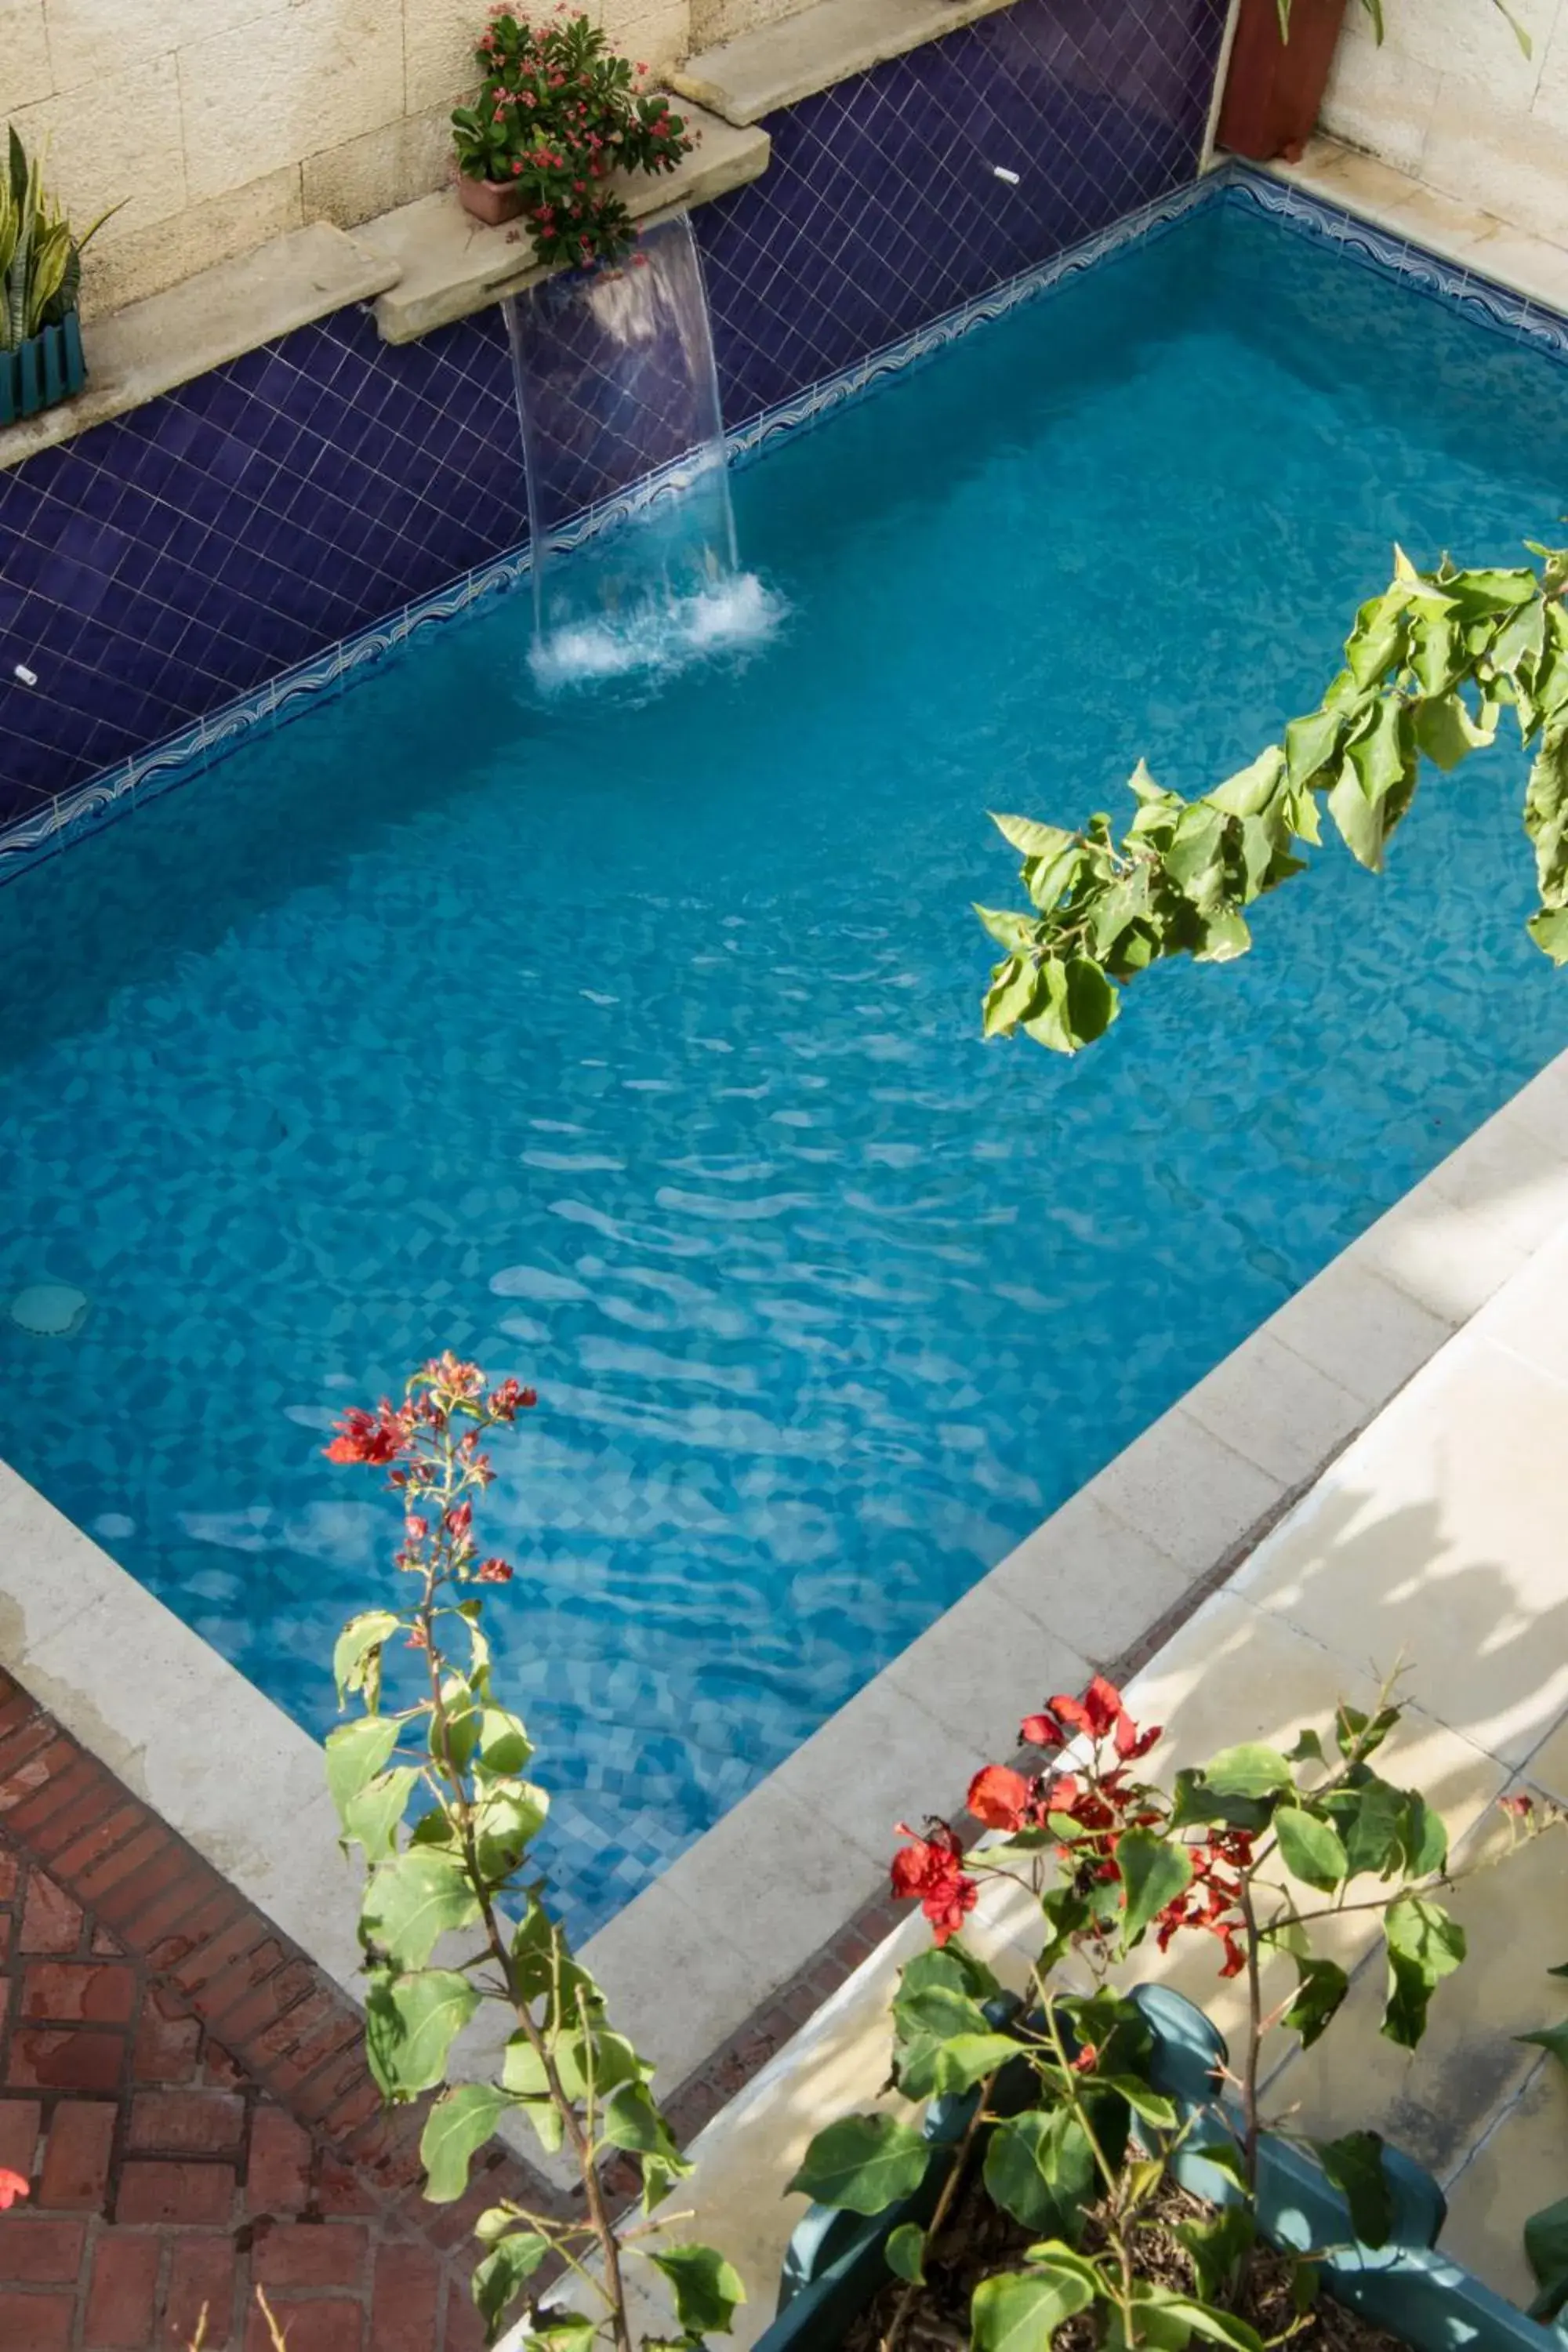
1451, 97
226, 121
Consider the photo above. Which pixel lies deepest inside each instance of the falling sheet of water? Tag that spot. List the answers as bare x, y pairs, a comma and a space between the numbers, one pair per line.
619, 403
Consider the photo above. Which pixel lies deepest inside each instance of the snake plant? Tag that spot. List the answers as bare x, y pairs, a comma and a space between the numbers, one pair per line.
40, 259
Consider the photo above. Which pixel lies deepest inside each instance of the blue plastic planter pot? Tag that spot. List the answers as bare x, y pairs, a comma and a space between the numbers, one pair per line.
835, 2263
48, 368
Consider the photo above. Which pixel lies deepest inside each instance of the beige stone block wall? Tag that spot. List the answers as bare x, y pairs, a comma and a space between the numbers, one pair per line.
1450, 97
221, 124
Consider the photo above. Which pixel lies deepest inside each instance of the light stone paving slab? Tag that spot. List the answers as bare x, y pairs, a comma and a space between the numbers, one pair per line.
151, 346
1276, 1409
1430, 1538
1516, 2171
1187, 1492
1509, 225
979, 1670
778, 64
1364, 1332
446, 265
1093, 1578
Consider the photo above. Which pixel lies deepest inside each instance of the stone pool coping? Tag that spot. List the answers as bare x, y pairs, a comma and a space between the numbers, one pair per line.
713, 1964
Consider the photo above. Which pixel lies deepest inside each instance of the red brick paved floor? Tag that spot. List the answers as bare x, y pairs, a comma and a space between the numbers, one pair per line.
187, 2096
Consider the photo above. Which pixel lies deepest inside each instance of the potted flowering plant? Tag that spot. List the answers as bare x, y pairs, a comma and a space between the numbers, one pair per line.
1093, 2166
41, 358
558, 113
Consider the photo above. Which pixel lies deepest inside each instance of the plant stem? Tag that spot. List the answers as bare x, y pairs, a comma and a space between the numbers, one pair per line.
1254, 2039
950, 2186
613, 2287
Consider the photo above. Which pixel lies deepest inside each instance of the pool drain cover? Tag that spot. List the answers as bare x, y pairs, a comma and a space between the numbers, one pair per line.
50, 1310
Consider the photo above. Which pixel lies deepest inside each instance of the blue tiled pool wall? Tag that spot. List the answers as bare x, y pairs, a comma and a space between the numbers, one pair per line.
162, 565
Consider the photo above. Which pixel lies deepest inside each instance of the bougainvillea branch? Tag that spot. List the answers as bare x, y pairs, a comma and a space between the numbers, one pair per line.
1431, 666
436, 1795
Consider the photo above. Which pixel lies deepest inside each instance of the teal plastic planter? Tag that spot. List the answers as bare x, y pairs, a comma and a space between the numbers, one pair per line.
836, 2263
49, 367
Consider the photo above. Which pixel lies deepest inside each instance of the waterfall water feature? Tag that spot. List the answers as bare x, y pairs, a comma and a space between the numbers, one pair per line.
629, 492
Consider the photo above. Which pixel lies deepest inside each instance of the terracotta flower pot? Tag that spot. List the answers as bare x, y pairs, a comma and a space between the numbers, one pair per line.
491, 200
1275, 88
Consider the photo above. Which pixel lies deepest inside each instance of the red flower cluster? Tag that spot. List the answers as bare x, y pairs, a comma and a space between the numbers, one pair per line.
1097, 1715
1213, 1901
377, 1437
12, 2186
931, 1867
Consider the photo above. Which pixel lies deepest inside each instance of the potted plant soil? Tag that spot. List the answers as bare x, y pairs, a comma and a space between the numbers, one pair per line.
41, 358
1093, 2167
558, 113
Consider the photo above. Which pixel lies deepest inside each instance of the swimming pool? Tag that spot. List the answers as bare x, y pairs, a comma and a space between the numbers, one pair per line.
630, 1042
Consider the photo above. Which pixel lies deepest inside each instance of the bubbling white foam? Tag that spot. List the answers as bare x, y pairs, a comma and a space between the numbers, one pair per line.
732, 616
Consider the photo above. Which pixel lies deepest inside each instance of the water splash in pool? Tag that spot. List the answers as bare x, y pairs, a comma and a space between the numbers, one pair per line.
619, 403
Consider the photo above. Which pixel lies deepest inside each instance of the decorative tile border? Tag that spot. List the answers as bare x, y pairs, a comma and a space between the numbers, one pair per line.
74, 815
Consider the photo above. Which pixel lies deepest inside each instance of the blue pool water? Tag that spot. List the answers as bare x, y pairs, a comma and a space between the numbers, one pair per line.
629, 1042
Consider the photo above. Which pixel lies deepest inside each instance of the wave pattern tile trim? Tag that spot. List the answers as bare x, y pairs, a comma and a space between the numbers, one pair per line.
55, 820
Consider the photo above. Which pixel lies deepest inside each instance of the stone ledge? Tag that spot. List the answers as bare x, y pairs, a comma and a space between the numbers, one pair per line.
443, 264
780, 64
152, 346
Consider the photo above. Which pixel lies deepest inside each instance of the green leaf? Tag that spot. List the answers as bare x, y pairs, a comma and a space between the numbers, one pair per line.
706, 2290
1311, 743
1250, 790
504, 1744
1370, 1817
509, 1817
1319, 1995
1447, 733
1551, 2038
1309, 1749
1039, 2168
1022, 2311
1546, 2251
862, 2163
1360, 1735
1031, 839
905, 2252
1151, 2107
1310, 1849
412, 1901
409, 2025
1250, 1770
968, 2058
1424, 1946
1014, 933
457, 2126
1377, 641
1193, 1802
500, 2277
936, 2010
358, 1648
1354, 2165
1217, 2247
371, 1819
356, 1752
1155, 1872
1423, 1838
1016, 988
1157, 2304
